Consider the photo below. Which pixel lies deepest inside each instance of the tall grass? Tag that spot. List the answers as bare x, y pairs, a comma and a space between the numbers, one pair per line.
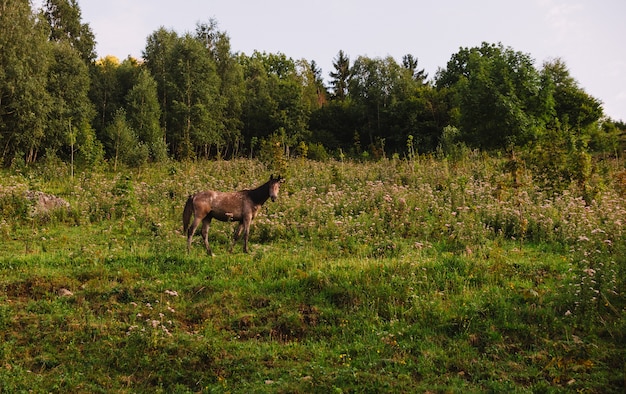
396, 276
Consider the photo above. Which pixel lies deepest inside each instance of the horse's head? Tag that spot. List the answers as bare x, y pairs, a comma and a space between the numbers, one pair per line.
275, 186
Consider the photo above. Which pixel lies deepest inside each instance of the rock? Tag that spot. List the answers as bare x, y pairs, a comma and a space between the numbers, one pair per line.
63, 292
45, 203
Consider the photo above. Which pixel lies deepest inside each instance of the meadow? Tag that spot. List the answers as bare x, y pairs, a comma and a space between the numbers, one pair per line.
426, 275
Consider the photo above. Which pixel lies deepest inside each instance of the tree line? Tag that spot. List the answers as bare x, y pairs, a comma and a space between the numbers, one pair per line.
192, 96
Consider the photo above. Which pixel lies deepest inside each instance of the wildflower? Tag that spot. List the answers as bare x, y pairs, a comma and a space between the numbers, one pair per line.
173, 293
590, 272
568, 313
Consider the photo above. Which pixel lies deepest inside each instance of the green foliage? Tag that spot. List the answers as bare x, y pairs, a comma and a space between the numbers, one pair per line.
157, 56
275, 99
105, 93
64, 18
340, 76
272, 155
451, 144
195, 87
497, 92
194, 97
573, 106
392, 103
317, 152
24, 101
90, 149
144, 114
561, 157
124, 144
232, 89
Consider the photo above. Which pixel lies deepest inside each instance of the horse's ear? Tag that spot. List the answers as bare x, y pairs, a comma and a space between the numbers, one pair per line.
271, 177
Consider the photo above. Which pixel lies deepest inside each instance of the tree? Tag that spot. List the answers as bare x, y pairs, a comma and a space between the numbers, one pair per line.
105, 92
64, 17
143, 113
395, 105
123, 144
419, 115
341, 76
562, 152
158, 56
318, 81
372, 84
24, 63
313, 90
259, 102
194, 124
572, 105
189, 88
69, 122
232, 89
275, 101
409, 62
498, 92
334, 125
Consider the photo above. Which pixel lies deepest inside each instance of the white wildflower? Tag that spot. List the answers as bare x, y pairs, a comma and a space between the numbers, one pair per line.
589, 271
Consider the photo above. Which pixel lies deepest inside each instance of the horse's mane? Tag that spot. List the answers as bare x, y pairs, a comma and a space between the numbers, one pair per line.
260, 194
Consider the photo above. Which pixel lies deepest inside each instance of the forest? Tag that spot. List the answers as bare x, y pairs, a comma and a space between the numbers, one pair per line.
192, 96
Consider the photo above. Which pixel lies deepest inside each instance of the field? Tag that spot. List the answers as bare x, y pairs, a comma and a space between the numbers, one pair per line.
424, 275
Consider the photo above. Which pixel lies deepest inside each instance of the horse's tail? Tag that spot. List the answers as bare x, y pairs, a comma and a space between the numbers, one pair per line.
187, 213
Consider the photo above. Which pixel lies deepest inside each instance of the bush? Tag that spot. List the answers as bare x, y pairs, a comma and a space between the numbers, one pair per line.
318, 152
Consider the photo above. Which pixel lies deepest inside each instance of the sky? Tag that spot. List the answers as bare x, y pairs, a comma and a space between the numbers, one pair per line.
588, 35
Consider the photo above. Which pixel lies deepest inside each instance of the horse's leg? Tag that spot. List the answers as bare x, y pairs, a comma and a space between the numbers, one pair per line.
236, 235
205, 234
191, 231
246, 232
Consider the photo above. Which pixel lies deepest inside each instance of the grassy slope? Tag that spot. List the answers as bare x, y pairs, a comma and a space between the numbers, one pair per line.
380, 277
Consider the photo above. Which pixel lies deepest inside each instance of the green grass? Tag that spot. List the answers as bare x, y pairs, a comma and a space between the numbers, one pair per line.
426, 276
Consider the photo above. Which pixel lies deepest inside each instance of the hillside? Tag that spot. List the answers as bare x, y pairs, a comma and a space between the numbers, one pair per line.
423, 275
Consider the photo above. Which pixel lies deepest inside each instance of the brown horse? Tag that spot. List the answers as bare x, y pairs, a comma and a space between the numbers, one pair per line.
241, 206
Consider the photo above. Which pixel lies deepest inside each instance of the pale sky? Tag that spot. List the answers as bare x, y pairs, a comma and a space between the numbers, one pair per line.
587, 34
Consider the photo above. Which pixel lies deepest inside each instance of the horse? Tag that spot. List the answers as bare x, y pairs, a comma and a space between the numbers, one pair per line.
240, 206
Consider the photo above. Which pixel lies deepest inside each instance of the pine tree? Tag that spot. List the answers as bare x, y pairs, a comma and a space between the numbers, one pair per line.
341, 76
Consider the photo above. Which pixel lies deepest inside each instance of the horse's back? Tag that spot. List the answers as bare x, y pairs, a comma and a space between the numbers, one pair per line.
220, 205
